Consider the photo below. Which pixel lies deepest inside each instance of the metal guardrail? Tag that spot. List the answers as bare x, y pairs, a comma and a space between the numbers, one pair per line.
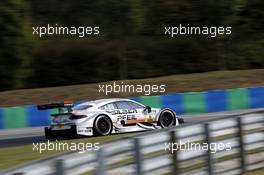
149, 153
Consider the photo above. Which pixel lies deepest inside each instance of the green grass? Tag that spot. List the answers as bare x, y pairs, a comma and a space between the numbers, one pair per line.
13, 156
256, 172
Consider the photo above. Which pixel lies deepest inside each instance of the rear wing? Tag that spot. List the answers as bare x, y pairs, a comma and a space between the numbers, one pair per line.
60, 106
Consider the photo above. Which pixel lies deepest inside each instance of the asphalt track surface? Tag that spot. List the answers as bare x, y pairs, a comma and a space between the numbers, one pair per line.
26, 136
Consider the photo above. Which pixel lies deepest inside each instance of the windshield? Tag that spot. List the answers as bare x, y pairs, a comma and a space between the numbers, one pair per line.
82, 107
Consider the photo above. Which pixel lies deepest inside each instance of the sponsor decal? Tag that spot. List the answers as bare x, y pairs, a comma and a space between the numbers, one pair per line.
124, 111
85, 130
126, 117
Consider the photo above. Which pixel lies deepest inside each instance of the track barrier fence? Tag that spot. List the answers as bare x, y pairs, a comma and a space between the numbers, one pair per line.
231, 145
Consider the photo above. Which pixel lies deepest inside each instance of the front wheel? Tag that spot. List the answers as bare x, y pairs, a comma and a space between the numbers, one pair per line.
102, 125
166, 119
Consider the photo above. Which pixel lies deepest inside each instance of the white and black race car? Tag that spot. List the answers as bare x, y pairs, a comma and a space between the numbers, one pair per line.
106, 116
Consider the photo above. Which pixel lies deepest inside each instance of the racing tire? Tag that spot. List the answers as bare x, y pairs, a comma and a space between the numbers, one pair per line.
72, 133
166, 119
48, 134
102, 126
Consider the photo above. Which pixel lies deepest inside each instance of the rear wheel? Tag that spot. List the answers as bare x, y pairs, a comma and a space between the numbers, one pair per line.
48, 134
166, 119
102, 125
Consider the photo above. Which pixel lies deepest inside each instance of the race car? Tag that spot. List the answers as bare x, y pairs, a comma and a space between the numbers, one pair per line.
106, 116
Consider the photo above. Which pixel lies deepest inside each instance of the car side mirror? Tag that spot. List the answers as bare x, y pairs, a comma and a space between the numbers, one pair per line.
148, 109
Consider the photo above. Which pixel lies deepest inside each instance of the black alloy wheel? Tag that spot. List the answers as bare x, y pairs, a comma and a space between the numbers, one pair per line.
166, 119
102, 125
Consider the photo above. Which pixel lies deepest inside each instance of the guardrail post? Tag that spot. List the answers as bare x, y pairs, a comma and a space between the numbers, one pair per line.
241, 145
210, 164
138, 157
59, 166
175, 164
101, 162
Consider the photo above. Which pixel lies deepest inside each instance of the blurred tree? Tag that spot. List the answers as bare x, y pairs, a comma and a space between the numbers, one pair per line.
14, 43
131, 43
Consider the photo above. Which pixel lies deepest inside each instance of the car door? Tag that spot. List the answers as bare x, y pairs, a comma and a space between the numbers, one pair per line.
143, 112
129, 113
